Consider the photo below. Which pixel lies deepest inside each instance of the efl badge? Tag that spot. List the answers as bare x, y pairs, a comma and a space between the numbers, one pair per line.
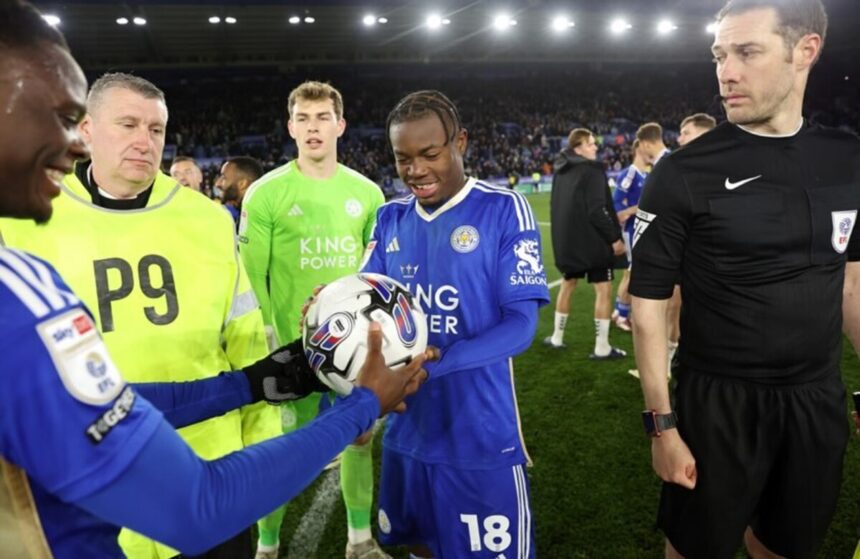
843, 224
465, 239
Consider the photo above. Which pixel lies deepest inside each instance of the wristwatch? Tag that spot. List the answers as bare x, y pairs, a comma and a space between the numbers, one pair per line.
656, 423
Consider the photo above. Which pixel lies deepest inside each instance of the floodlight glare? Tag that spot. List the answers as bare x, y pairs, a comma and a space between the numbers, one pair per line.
503, 21
561, 24
446, 21
369, 20
52, 19
122, 20
214, 19
711, 28
139, 21
310, 19
619, 26
665, 26
295, 20
434, 21
230, 19
382, 20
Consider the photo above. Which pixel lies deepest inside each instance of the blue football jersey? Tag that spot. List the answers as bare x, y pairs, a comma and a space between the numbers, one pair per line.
629, 190
479, 251
67, 419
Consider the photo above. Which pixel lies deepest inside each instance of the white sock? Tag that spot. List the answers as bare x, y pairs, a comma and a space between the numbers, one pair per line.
358, 535
601, 336
261, 547
558, 330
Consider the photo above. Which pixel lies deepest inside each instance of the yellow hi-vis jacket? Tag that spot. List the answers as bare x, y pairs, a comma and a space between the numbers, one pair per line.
169, 294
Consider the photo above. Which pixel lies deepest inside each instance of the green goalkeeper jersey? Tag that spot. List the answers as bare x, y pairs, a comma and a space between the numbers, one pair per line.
297, 232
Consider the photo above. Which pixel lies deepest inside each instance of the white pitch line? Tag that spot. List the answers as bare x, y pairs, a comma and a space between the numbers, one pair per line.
555, 283
544, 223
309, 532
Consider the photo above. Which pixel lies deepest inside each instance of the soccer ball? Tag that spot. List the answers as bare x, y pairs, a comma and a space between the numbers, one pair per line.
334, 331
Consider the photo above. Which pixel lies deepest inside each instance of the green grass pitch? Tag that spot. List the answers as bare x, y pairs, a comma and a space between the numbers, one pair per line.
594, 494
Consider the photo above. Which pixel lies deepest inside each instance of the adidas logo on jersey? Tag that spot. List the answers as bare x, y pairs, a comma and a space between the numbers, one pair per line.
393, 246
295, 211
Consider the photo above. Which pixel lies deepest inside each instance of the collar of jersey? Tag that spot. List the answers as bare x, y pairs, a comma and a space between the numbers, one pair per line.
163, 190
760, 135
456, 199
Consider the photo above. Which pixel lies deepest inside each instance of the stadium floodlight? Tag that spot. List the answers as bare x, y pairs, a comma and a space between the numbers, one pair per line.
382, 20
52, 19
310, 19
230, 19
433, 21
502, 22
139, 21
122, 21
446, 21
561, 23
665, 26
711, 28
214, 19
369, 20
295, 20
619, 26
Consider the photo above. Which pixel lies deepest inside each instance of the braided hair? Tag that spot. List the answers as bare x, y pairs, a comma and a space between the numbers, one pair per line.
420, 104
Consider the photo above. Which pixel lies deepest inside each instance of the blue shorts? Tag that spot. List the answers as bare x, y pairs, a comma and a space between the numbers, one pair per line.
456, 513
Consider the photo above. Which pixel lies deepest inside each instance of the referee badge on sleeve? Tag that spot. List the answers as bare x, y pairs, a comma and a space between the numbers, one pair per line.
843, 225
643, 220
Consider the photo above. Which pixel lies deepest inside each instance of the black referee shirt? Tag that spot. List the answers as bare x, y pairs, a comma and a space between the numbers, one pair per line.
759, 229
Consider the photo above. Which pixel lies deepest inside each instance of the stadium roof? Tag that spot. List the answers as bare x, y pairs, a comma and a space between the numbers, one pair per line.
179, 34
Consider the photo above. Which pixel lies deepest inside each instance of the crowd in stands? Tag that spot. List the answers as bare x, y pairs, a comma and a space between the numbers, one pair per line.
516, 123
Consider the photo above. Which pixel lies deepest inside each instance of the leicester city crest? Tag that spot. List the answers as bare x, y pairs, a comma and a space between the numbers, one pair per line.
465, 239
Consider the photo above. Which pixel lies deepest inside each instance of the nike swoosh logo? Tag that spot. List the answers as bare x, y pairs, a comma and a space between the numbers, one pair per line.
733, 185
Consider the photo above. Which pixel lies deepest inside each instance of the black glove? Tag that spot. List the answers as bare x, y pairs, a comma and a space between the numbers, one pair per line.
283, 376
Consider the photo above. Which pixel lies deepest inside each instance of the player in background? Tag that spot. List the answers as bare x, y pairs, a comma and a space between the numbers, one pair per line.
304, 224
106, 457
186, 172
694, 126
586, 237
453, 479
626, 200
237, 175
158, 264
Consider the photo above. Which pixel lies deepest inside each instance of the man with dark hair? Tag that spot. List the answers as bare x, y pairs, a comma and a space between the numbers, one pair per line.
586, 237
102, 446
453, 467
237, 175
187, 172
756, 218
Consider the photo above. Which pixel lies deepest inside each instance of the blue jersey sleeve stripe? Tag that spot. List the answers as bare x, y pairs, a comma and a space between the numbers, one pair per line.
35, 278
24, 292
27, 274
524, 216
46, 278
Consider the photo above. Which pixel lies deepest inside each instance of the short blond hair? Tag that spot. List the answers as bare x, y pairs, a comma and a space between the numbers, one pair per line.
316, 91
700, 120
578, 136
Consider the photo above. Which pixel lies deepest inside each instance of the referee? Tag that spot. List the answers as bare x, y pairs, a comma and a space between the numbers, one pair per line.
757, 218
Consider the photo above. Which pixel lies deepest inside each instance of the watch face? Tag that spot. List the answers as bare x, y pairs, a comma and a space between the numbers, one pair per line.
649, 422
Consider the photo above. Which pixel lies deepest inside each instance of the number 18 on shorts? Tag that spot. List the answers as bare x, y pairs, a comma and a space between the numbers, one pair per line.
457, 513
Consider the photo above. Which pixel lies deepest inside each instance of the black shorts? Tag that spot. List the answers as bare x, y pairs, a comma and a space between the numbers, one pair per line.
595, 275
769, 457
